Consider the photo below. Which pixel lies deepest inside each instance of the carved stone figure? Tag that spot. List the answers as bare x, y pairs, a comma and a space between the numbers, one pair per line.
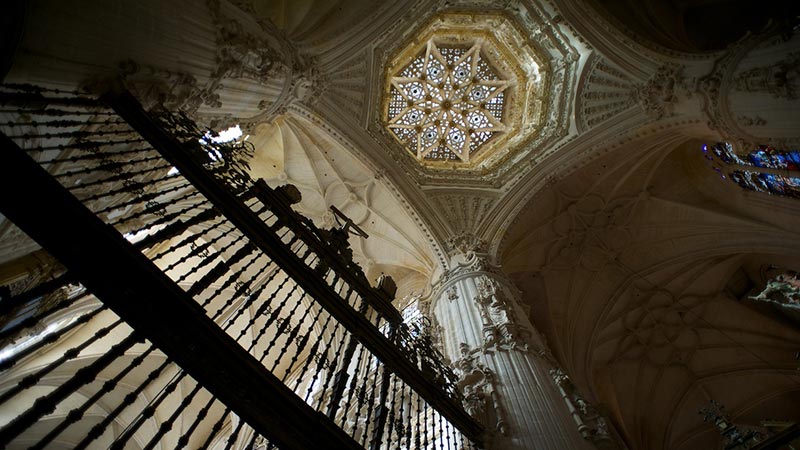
500, 325
474, 401
480, 397
588, 419
601, 427
452, 293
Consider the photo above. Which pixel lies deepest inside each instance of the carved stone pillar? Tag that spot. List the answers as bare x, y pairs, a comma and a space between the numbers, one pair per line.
505, 369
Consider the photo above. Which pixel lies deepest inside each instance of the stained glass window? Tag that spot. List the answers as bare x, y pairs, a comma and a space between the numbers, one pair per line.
782, 290
446, 103
764, 169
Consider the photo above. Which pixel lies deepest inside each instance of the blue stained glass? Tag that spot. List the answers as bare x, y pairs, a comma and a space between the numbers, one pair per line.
763, 157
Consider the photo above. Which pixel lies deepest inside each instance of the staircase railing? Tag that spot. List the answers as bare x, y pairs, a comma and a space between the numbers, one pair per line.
227, 257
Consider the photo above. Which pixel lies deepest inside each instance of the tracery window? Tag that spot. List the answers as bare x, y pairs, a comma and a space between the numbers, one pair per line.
764, 169
447, 102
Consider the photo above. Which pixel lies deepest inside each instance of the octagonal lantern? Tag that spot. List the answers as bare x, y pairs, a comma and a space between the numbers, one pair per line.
447, 102
465, 93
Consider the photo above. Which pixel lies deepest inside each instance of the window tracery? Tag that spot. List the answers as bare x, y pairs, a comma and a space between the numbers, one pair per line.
764, 169
447, 102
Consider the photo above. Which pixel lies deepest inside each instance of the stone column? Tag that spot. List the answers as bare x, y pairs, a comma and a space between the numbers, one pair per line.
508, 377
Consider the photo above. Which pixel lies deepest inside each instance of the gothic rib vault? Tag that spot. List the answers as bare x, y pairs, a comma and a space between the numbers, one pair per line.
594, 200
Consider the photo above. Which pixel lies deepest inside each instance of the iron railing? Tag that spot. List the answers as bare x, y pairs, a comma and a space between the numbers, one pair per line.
294, 308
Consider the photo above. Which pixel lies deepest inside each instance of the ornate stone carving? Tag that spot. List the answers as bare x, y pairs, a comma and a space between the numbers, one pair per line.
37, 269
463, 212
591, 232
243, 55
782, 290
259, 54
452, 293
175, 91
781, 79
589, 420
546, 114
28, 272
608, 92
659, 94
500, 324
478, 262
466, 243
481, 399
658, 328
260, 443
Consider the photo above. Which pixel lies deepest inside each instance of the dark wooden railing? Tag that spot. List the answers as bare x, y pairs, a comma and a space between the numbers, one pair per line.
262, 320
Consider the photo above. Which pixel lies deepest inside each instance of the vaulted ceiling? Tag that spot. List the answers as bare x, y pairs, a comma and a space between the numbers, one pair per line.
629, 250
638, 269
296, 151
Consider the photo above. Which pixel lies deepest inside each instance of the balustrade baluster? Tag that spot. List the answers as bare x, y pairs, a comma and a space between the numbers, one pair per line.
148, 411
180, 219
35, 319
167, 425
215, 429
301, 345
234, 436
76, 414
183, 441
32, 379
50, 338
47, 403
